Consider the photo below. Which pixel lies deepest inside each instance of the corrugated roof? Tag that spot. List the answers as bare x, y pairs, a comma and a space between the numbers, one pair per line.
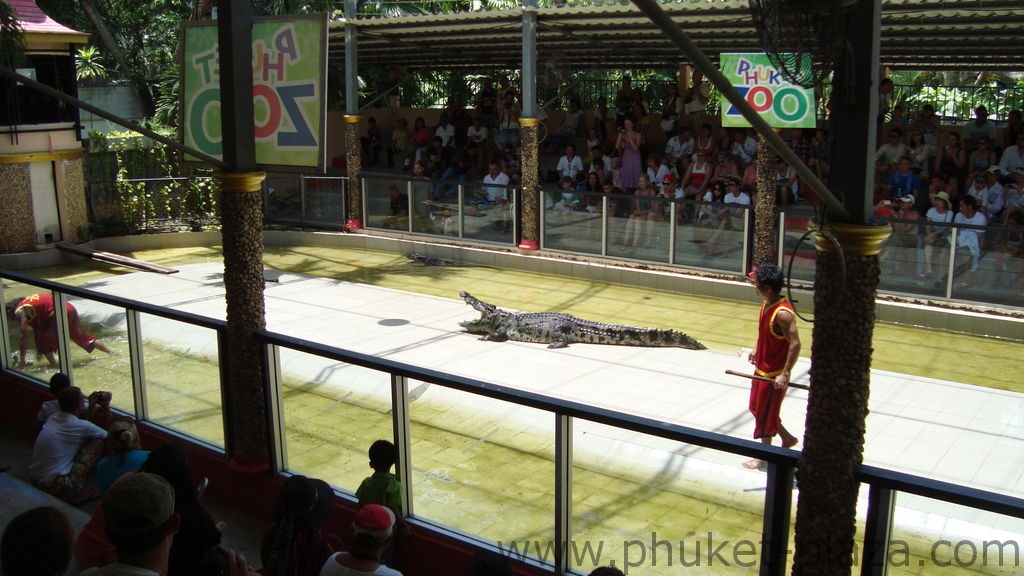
918, 34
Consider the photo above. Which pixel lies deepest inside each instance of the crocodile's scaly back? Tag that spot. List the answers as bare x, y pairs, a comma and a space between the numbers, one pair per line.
559, 329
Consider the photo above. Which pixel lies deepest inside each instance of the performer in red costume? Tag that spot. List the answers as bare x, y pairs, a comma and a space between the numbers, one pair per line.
38, 313
778, 347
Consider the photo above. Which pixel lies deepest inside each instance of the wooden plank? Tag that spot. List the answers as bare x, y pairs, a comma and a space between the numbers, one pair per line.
116, 259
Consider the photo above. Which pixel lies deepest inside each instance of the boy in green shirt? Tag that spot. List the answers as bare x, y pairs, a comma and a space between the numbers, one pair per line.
383, 487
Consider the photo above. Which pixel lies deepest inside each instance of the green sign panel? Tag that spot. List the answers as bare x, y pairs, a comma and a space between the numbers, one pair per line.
780, 103
288, 76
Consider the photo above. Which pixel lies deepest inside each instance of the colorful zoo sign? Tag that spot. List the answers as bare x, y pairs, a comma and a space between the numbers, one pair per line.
779, 102
289, 78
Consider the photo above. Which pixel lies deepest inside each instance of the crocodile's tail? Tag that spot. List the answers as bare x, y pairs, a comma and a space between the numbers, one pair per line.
661, 337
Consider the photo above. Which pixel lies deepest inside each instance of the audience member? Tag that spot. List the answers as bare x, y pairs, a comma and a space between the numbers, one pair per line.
644, 212
569, 165
921, 154
195, 551
981, 158
1013, 128
126, 454
905, 232
951, 163
671, 110
787, 183
398, 209
570, 127
373, 142
889, 154
628, 146
599, 164
400, 142
66, 450
419, 139
606, 571
981, 126
679, 149
141, 523
819, 154
928, 125
487, 104
445, 130
295, 545
695, 100
36, 314
37, 542
372, 532
902, 182
1013, 156
508, 121
972, 240
697, 180
96, 408
936, 236
623, 101
988, 195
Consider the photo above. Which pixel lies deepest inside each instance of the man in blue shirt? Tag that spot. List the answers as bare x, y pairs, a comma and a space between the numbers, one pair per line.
903, 181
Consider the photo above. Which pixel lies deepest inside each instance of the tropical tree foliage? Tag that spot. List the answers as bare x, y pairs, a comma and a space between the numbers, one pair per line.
12, 41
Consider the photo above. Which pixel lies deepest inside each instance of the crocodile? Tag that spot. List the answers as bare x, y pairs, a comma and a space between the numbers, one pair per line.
559, 330
429, 260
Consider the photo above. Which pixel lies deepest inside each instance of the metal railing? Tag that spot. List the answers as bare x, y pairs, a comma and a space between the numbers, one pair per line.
398, 395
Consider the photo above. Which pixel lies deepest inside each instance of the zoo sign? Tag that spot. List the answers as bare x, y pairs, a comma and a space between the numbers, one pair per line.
780, 103
288, 77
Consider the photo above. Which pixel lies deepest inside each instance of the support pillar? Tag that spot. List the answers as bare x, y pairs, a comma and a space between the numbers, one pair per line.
354, 163
764, 206
530, 224
242, 236
844, 305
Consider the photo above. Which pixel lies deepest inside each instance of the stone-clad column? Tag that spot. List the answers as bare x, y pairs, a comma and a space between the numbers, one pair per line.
354, 162
844, 311
764, 206
530, 223
242, 236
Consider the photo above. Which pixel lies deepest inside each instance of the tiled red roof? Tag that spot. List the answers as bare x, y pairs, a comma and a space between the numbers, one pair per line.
34, 20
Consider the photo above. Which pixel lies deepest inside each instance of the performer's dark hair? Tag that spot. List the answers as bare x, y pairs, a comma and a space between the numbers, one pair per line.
771, 276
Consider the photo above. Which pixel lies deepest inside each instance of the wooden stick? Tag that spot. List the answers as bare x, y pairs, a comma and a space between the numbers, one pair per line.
765, 379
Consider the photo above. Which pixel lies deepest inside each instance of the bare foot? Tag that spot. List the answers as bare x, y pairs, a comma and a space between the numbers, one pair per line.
753, 464
790, 443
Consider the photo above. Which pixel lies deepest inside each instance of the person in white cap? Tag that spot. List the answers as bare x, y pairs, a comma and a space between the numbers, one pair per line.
372, 530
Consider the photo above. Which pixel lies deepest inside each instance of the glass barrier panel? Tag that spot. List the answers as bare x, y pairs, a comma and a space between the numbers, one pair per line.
573, 222
428, 217
803, 254
692, 247
489, 212
387, 202
638, 228
332, 413
282, 197
994, 274
182, 377
28, 329
719, 234
324, 200
482, 466
935, 537
94, 326
656, 507
902, 259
